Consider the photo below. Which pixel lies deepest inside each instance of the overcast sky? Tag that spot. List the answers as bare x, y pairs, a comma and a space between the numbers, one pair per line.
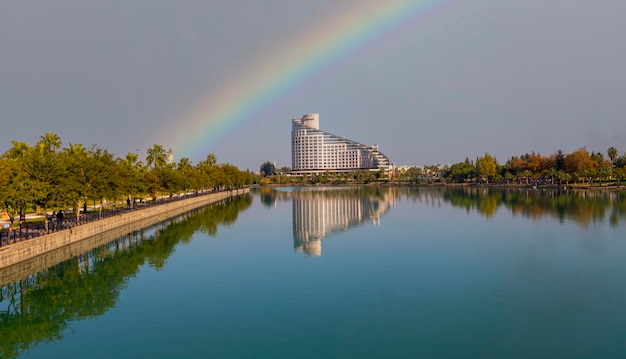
506, 77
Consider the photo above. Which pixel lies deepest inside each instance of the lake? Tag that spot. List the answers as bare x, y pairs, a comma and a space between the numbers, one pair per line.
353, 272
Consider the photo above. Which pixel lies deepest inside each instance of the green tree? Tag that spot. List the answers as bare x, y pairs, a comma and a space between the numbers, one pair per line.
18, 189
21, 188
156, 182
76, 187
619, 175
131, 160
44, 167
44, 177
559, 160
268, 169
620, 162
526, 174
106, 177
461, 172
131, 172
562, 176
211, 160
186, 172
613, 154
184, 164
156, 156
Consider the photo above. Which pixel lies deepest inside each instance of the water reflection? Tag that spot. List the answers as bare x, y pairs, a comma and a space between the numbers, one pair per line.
320, 212
40, 307
580, 207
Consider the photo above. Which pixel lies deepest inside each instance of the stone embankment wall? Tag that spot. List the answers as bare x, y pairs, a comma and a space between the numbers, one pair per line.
37, 254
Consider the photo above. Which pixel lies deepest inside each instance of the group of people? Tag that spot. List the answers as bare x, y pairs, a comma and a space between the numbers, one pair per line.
57, 216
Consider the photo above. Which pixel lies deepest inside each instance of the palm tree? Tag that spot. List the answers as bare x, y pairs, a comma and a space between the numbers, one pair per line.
18, 150
612, 152
156, 156
132, 170
50, 142
210, 161
184, 164
131, 159
75, 150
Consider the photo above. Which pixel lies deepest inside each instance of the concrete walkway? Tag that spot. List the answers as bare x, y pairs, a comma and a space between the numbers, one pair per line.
17, 252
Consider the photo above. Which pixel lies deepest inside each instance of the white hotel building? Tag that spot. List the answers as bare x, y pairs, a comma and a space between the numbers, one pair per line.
316, 151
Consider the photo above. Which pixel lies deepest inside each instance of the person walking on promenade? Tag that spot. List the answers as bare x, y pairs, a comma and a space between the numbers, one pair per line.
52, 221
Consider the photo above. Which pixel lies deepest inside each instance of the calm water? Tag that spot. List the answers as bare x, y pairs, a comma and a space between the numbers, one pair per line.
342, 273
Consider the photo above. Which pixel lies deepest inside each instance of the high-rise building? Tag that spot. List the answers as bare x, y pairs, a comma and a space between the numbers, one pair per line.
317, 151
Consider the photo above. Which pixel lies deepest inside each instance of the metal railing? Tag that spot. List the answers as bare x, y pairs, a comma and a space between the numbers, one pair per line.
56, 224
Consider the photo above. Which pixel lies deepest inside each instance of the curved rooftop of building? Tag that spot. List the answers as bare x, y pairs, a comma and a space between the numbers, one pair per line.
314, 150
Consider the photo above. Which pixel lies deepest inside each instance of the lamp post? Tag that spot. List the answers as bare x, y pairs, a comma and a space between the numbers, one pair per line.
22, 220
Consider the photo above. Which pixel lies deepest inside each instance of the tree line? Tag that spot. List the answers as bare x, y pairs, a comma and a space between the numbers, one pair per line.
49, 176
557, 168
88, 285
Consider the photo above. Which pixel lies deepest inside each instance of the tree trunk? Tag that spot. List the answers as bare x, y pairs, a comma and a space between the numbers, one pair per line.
101, 206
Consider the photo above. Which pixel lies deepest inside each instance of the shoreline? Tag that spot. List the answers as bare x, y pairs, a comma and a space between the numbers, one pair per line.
18, 254
612, 188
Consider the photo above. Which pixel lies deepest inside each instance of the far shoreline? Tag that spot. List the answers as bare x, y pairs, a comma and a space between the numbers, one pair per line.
573, 187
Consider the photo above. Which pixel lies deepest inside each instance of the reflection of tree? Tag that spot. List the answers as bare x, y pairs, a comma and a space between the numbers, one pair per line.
205, 221
269, 196
41, 307
224, 215
582, 207
480, 199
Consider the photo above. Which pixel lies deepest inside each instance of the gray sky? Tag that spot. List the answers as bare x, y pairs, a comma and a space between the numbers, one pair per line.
506, 77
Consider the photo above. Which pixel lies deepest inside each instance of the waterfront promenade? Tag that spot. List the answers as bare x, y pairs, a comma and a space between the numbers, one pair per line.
35, 241
54, 224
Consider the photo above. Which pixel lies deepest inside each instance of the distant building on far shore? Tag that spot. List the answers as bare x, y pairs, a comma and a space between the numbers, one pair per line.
317, 151
170, 157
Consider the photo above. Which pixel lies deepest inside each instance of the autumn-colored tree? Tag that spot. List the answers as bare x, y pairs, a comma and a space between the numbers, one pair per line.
579, 161
515, 165
534, 163
486, 166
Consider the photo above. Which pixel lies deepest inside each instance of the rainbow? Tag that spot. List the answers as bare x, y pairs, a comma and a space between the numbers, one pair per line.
301, 59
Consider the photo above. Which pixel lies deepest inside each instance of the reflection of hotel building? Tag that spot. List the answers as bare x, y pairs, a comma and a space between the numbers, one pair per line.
316, 151
317, 215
